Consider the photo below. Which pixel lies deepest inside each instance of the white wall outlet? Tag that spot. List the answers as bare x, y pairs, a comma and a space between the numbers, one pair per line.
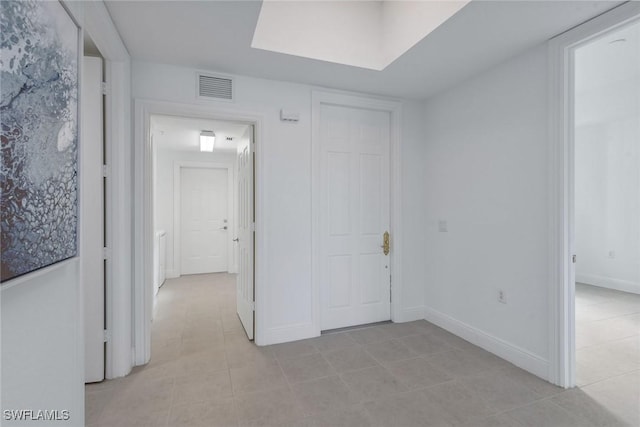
442, 226
612, 254
502, 297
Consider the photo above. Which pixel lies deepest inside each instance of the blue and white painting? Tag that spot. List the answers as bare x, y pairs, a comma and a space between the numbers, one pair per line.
39, 135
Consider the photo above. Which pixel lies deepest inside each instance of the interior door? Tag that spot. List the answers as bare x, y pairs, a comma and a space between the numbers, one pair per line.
355, 277
245, 240
204, 220
92, 219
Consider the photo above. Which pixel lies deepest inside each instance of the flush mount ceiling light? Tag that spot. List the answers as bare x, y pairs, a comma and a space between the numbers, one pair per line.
365, 34
207, 138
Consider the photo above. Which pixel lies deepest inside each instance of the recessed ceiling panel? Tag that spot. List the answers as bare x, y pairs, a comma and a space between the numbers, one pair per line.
365, 34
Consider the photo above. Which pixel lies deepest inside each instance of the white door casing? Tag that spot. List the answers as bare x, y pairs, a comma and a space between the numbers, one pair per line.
561, 186
143, 214
246, 236
354, 272
92, 243
204, 220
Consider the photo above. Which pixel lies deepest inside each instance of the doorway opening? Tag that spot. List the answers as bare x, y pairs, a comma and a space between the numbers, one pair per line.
594, 184
202, 215
606, 214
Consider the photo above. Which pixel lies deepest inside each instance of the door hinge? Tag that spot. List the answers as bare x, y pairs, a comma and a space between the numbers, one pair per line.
253, 306
106, 335
574, 258
253, 226
106, 253
105, 171
104, 87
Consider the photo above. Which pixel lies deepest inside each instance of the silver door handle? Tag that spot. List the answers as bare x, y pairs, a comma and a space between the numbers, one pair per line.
223, 228
236, 239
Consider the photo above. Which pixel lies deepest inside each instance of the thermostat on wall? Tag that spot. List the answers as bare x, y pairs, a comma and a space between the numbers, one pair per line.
289, 116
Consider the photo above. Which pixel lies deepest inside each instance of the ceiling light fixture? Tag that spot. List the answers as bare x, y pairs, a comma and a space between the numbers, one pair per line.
207, 138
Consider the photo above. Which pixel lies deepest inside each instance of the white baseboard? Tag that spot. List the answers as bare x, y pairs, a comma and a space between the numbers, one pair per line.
609, 282
171, 274
410, 314
518, 356
286, 334
306, 330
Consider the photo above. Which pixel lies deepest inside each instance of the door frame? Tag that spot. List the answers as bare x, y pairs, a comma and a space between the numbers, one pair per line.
561, 301
394, 108
117, 116
87, 236
143, 209
177, 211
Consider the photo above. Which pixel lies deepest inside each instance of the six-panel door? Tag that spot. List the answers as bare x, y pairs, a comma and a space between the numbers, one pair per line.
354, 194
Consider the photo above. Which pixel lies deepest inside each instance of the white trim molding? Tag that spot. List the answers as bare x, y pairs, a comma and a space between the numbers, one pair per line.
394, 108
143, 205
561, 186
517, 355
609, 283
118, 222
411, 313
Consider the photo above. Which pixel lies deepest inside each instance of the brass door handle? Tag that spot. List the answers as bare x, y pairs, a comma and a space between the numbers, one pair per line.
385, 243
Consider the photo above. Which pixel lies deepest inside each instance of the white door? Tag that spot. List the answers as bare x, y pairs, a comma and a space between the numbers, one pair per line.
203, 220
245, 239
355, 276
92, 219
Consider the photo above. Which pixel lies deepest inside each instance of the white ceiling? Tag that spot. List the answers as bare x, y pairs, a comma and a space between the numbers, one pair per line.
183, 134
217, 35
367, 34
611, 59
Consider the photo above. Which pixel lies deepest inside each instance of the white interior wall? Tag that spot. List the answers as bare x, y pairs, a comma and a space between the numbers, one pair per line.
607, 165
286, 162
607, 205
164, 192
42, 351
486, 176
413, 170
42, 343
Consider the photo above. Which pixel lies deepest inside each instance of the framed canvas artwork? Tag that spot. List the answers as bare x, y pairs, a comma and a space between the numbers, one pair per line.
39, 62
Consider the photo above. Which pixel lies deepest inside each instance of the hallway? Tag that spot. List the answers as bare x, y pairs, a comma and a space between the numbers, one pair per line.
204, 372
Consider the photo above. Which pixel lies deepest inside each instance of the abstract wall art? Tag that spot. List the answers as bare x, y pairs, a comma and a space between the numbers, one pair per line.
38, 136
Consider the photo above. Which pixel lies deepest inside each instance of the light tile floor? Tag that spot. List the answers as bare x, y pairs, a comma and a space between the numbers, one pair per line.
204, 372
608, 349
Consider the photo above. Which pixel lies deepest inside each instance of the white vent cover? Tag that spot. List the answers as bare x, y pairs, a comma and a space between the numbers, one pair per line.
215, 87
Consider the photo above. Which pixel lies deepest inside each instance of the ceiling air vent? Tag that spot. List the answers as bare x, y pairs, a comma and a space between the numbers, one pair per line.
215, 87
